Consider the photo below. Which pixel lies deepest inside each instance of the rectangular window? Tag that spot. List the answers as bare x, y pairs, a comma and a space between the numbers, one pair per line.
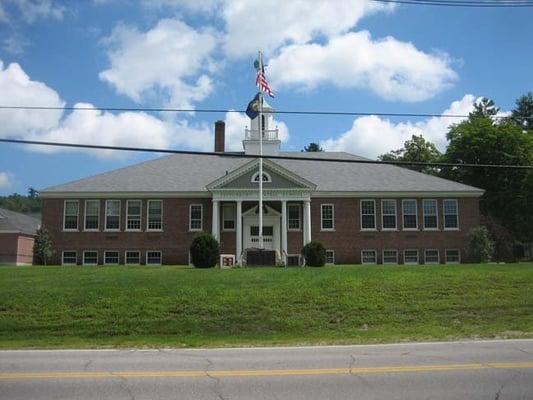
153, 257
330, 257
326, 217
111, 257
228, 217
431, 256
388, 214
112, 215
195, 217
453, 256
390, 256
90, 257
70, 217
267, 231
92, 215
430, 214
69, 258
410, 215
368, 257
368, 214
410, 256
133, 215
132, 257
451, 214
155, 215
294, 217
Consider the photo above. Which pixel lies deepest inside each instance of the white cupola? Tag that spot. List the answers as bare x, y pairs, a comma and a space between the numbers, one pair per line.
271, 142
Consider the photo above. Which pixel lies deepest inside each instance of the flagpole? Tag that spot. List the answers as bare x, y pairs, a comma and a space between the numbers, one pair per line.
260, 160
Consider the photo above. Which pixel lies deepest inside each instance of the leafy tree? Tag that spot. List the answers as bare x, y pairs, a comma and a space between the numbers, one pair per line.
313, 147
42, 246
522, 115
481, 247
205, 251
484, 108
32, 193
417, 149
315, 254
22, 204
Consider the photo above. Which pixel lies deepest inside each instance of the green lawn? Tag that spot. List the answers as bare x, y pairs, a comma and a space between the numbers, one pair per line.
176, 306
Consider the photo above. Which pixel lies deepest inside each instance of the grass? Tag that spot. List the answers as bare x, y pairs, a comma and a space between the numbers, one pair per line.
45, 307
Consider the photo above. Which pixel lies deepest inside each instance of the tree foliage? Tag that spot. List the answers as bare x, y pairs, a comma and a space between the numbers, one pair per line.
522, 115
484, 108
481, 246
313, 147
42, 247
417, 149
23, 204
205, 251
315, 254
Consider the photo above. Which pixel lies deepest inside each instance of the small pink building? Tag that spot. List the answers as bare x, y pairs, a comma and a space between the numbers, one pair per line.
17, 233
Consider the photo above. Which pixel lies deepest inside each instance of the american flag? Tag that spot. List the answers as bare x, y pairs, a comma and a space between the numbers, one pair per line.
262, 83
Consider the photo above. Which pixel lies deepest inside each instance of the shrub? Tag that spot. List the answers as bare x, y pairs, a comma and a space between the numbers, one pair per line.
314, 254
42, 247
481, 245
204, 251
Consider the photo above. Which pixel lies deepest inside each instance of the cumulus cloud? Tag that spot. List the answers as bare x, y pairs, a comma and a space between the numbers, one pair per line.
5, 180
30, 10
371, 136
267, 25
236, 123
172, 59
392, 69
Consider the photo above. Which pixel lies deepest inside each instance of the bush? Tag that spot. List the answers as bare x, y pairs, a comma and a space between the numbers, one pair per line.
42, 247
481, 245
314, 254
204, 251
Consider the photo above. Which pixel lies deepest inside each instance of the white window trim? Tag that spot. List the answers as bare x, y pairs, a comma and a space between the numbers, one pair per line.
395, 215
111, 251
128, 216
63, 257
224, 206
375, 257
417, 257
148, 216
85, 216
332, 218
383, 257
416, 215
65, 216
299, 229
436, 214
452, 262
444, 215
201, 218
119, 212
83, 257
154, 251
432, 262
375, 228
269, 178
125, 257
333, 251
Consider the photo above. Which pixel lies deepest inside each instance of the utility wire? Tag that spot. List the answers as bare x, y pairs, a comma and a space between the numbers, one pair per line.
472, 4
241, 155
222, 110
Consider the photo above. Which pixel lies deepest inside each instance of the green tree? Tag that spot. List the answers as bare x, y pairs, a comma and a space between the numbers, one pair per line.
522, 115
484, 108
314, 253
205, 251
313, 147
22, 204
417, 149
32, 193
481, 247
42, 246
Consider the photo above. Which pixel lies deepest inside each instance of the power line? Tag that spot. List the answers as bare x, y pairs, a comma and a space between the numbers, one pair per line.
278, 157
459, 3
222, 110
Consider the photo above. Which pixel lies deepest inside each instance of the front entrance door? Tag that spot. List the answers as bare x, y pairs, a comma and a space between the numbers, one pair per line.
268, 237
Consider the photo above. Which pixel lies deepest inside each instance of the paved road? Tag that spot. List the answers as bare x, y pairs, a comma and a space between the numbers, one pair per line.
460, 370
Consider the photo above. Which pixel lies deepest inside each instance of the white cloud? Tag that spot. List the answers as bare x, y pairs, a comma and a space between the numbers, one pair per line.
30, 10
203, 6
15, 44
236, 123
371, 136
170, 59
5, 180
267, 25
392, 69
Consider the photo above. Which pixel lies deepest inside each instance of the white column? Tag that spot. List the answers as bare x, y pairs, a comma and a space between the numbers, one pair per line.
284, 231
238, 233
307, 221
215, 220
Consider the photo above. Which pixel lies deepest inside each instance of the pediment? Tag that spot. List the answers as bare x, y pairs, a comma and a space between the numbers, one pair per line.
243, 178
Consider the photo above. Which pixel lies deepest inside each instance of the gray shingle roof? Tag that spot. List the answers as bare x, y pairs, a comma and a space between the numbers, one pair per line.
191, 173
11, 221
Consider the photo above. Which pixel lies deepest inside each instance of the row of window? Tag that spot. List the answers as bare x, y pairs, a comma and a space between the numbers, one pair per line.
410, 256
389, 215
111, 257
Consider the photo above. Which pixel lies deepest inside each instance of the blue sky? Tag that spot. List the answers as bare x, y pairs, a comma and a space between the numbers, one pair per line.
342, 55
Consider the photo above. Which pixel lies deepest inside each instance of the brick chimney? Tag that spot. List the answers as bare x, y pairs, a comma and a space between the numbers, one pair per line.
220, 136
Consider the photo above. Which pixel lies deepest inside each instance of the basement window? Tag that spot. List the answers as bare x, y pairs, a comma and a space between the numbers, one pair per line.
111, 257
431, 256
90, 257
410, 256
330, 257
390, 256
133, 257
153, 257
69, 258
368, 257
453, 256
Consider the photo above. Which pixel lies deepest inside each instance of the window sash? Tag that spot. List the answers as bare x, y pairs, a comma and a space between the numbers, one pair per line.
410, 256
195, 217
90, 257
388, 214
453, 256
111, 257
155, 215
451, 214
410, 214
69, 257
228, 217
132, 257
390, 256
153, 257
70, 215
133, 215
294, 217
326, 216
431, 256
112, 217
430, 214
368, 214
330, 257
368, 257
